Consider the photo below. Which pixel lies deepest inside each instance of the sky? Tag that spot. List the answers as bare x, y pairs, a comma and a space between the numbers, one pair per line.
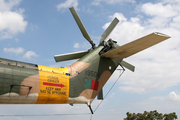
34, 31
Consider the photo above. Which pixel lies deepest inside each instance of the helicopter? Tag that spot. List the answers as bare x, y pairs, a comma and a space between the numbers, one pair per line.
79, 83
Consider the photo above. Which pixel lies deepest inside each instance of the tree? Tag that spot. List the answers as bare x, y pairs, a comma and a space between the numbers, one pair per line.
152, 115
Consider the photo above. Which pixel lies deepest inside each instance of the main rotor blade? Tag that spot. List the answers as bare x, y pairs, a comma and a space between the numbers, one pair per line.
80, 25
109, 29
70, 56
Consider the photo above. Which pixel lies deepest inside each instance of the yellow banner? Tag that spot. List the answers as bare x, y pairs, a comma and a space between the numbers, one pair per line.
53, 85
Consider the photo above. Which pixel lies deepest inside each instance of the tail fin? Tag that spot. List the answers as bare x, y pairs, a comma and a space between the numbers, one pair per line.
92, 71
89, 74
122, 63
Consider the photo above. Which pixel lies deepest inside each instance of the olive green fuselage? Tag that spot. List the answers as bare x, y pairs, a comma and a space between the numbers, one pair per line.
25, 83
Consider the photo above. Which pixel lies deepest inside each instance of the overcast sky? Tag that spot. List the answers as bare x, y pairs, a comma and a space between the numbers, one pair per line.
34, 31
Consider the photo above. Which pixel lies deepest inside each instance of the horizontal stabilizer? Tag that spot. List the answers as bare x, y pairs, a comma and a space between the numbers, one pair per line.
136, 46
100, 95
70, 56
127, 65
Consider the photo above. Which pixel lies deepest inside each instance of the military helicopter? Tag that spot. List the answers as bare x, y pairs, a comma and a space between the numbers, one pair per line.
79, 83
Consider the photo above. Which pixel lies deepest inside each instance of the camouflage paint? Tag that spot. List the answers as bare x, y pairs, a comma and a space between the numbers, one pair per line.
19, 82
24, 83
89, 75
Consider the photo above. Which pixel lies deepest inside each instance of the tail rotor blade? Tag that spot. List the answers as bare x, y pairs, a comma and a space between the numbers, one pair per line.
109, 29
80, 25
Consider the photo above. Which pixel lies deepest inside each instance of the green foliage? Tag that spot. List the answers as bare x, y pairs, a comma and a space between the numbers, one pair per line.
152, 115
